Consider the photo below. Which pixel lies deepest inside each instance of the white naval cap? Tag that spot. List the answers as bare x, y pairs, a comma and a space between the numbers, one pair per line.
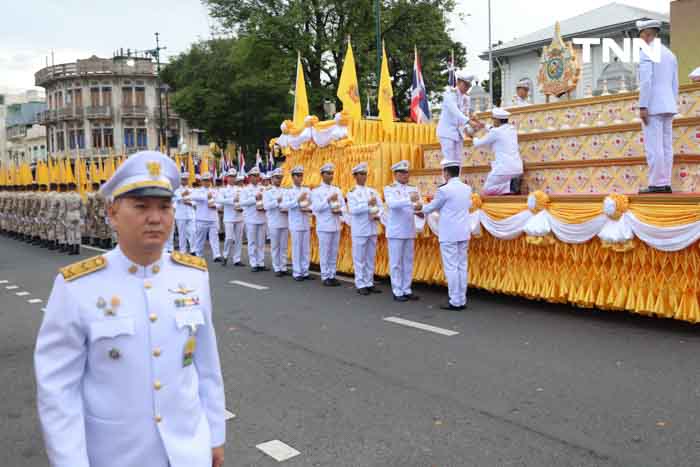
695, 74
328, 167
231, 172
360, 168
401, 166
266, 176
449, 163
184, 175
278, 172
206, 176
500, 113
240, 177
297, 170
523, 83
464, 76
648, 24
254, 171
197, 177
146, 173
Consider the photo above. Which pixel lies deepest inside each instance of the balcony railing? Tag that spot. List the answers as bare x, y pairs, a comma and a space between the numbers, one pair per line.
134, 111
47, 116
102, 111
69, 113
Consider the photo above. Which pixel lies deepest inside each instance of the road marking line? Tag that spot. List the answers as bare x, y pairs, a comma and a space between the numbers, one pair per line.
278, 450
229, 415
88, 247
34, 300
12, 287
4, 282
249, 285
340, 278
424, 327
21, 294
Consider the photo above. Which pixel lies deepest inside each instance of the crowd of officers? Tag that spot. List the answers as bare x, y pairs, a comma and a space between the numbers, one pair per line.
55, 216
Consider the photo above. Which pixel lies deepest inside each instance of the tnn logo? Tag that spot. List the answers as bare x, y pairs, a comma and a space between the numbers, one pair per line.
628, 53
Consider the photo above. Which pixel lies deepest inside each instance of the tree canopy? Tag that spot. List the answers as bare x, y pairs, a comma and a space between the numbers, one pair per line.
239, 88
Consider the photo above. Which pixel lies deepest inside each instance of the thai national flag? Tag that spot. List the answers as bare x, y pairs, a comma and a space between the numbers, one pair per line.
420, 110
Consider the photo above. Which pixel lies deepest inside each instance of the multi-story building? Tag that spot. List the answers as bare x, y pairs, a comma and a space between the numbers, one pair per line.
99, 106
21, 136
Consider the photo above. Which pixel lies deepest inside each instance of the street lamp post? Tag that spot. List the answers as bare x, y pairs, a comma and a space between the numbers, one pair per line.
166, 89
490, 59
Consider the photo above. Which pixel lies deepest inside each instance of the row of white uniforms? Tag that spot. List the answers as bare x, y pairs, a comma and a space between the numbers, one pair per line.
328, 227
278, 226
184, 221
454, 118
299, 222
507, 164
229, 198
363, 228
206, 220
453, 201
255, 222
116, 385
400, 230
658, 93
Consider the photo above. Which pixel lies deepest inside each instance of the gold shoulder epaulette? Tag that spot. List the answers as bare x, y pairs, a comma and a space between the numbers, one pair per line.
352, 189
409, 185
189, 260
83, 268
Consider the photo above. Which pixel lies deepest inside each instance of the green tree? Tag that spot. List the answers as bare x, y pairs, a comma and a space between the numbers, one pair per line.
318, 29
235, 89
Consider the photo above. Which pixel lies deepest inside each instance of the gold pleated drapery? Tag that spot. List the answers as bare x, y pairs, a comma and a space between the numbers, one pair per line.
642, 280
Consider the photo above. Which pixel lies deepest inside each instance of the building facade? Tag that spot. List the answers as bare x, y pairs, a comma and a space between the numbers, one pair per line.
104, 106
521, 58
21, 136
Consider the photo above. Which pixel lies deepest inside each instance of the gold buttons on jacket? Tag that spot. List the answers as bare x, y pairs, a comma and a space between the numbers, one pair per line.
157, 385
147, 285
156, 269
153, 317
158, 418
133, 268
156, 352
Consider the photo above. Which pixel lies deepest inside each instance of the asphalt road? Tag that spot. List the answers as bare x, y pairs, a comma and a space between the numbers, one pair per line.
320, 369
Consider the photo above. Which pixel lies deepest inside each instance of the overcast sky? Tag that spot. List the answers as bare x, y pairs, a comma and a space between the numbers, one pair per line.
31, 29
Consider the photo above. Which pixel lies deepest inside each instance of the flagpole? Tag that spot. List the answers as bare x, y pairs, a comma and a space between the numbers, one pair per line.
490, 59
379, 41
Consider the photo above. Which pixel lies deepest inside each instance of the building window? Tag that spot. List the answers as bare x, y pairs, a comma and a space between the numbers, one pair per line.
127, 97
107, 96
202, 139
60, 141
142, 137
78, 98
109, 137
140, 94
72, 140
97, 138
129, 137
95, 98
59, 99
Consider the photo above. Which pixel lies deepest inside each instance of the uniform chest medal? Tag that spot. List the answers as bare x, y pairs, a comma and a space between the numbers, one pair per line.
190, 347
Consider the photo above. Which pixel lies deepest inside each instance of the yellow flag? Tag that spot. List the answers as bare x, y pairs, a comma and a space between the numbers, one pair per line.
109, 168
301, 101
386, 94
204, 165
348, 89
190, 169
68, 172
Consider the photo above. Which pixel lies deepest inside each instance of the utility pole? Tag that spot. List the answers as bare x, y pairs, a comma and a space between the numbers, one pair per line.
156, 53
378, 8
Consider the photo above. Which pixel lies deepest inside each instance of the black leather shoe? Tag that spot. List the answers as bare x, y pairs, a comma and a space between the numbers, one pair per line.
334, 282
224, 262
655, 189
327, 283
402, 298
412, 297
264, 268
373, 290
364, 291
279, 274
255, 269
238, 264
309, 278
515, 184
299, 279
667, 189
217, 260
450, 307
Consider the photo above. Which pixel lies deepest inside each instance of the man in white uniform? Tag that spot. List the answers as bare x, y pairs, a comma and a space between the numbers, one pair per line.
184, 215
364, 206
126, 360
454, 117
277, 223
453, 200
254, 217
522, 89
229, 198
502, 139
297, 202
328, 203
206, 218
402, 201
658, 94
